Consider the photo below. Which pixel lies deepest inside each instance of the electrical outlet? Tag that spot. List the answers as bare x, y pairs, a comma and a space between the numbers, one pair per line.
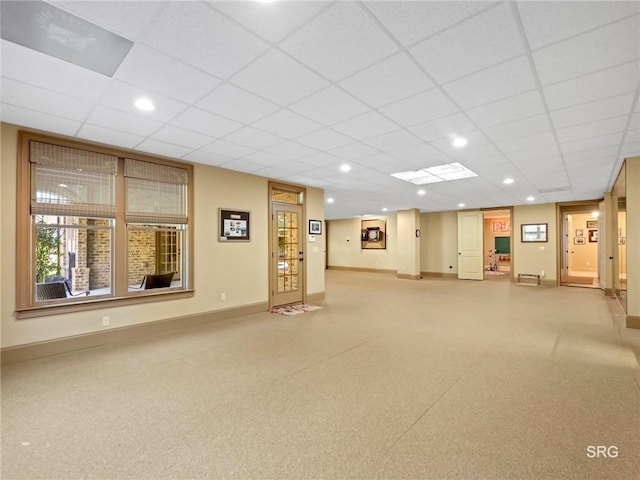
106, 321
223, 296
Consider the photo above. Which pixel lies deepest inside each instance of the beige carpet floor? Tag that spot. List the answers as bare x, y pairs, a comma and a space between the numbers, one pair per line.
427, 379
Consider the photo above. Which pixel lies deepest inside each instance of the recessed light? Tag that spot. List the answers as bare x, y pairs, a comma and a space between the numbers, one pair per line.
345, 168
145, 104
330, 200
460, 205
422, 192
385, 209
595, 214
508, 181
63, 185
530, 199
459, 142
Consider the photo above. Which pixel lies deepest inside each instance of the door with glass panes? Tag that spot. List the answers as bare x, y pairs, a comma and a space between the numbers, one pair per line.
288, 255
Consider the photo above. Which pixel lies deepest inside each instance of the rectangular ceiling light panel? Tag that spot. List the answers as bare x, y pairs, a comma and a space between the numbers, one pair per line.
50, 30
439, 173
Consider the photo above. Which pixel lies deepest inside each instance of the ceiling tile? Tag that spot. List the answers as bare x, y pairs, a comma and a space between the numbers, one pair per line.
278, 78
324, 160
121, 96
46, 101
291, 150
549, 22
351, 41
35, 68
420, 108
599, 49
589, 144
147, 69
507, 110
272, 21
203, 38
592, 111
205, 123
205, 158
413, 21
227, 149
534, 155
606, 83
41, 121
287, 124
450, 126
519, 128
109, 136
481, 41
231, 102
151, 145
121, 17
396, 140
243, 166
365, 126
329, 106
501, 81
352, 151
253, 138
324, 139
527, 143
122, 122
182, 137
416, 152
592, 129
388, 81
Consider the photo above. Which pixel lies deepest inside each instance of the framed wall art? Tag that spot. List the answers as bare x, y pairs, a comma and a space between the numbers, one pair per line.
315, 227
534, 232
579, 241
233, 225
373, 234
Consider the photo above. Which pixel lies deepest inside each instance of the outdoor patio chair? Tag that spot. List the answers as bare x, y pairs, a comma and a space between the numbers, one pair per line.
156, 280
56, 287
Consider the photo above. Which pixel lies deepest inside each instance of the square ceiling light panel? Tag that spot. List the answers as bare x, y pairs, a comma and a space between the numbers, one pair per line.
50, 30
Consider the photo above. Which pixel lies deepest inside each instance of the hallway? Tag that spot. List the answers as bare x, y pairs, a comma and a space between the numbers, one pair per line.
429, 379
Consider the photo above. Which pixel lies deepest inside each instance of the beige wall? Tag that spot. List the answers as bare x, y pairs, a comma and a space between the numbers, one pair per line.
535, 258
439, 242
633, 236
345, 248
240, 270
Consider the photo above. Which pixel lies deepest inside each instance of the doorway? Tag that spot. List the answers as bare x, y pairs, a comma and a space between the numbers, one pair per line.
580, 246
287, 273
497, 244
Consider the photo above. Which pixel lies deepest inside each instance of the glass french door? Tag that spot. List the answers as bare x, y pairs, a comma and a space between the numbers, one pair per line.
287, 254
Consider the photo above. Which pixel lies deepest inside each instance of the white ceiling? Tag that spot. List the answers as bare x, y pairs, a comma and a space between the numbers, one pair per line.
545, 93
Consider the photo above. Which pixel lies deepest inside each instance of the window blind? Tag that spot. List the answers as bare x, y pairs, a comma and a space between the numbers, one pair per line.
72, 182
155, 193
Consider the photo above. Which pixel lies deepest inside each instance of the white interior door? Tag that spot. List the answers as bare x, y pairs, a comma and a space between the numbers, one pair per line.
470, 245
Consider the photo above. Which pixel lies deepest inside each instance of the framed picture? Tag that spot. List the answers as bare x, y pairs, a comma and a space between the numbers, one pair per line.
622, 240
373, 234
315, 227
579, 232
592, 224
534, 232
233, 225
579, 241
593, 236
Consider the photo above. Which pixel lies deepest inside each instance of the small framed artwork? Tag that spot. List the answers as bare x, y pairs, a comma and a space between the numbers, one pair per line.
622, 240
535, 232
579, 232
315, 227
373, 234
592, 224
579, 241
593, 236
233, 225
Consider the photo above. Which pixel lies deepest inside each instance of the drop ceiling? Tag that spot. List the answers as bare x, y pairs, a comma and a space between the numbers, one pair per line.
545, 93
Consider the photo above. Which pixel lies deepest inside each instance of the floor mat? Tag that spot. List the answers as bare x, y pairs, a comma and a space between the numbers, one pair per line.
294, 309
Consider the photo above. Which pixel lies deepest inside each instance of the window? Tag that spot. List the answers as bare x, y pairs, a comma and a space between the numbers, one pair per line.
95, 225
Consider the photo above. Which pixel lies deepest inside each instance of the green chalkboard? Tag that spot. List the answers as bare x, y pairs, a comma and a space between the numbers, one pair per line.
502, 244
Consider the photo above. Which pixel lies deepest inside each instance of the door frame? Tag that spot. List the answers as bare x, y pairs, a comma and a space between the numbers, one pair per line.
567, 208
511, 237
303, 229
